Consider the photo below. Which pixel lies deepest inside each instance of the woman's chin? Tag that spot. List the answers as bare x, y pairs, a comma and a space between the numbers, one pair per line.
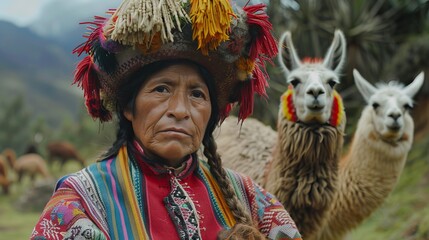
174, 154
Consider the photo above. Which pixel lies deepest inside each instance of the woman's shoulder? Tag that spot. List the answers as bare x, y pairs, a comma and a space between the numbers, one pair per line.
94, 169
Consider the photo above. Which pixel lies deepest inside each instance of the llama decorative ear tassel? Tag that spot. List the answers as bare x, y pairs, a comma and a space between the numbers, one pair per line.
286, 103
137, 21
211, 20
337, 111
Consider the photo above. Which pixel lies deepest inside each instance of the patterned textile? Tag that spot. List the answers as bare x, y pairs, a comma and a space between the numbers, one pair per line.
183, 212
127, 197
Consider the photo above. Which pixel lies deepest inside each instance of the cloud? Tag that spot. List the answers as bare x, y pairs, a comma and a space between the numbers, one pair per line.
20, 12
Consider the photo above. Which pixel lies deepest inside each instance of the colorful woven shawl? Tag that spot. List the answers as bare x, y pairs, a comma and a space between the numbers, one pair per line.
107, 200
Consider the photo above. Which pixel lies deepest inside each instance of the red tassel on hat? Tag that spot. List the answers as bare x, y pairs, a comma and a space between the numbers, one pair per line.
257, 84
225, 112
86, 78
259, 81
263, 45
246, 100
96, 34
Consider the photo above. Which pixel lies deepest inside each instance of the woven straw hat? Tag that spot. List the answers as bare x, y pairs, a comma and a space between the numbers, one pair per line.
231, 42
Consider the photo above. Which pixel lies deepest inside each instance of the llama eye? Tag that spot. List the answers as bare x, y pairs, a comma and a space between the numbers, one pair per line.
295, 82
408, 106
332, 82
375, 105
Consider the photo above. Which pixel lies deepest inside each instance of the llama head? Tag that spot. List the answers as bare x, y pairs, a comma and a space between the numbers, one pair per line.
313, 81
389, 103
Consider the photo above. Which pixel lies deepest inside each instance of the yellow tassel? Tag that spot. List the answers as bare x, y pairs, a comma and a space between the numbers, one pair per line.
136, 22
244, 68
211, 20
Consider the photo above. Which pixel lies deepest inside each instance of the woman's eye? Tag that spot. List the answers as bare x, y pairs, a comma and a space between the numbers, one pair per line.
197, 94
161, 89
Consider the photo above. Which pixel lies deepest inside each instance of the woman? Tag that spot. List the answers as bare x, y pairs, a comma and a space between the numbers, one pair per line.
170, 85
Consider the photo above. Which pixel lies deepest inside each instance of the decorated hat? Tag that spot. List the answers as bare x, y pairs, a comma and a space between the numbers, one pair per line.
231, 42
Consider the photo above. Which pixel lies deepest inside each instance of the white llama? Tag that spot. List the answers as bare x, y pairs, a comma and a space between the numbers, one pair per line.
370, 170
300, 161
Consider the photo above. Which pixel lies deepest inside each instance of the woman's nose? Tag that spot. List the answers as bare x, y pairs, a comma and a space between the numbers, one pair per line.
178, 106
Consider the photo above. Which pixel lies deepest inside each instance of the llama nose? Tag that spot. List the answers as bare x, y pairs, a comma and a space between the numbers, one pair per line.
395, 116
315, 92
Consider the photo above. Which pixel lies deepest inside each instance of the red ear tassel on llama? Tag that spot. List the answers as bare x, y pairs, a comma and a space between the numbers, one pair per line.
262, 47
86, 77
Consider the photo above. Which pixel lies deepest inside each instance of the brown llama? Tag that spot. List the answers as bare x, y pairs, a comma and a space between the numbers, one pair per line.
64, 151
31, 164
4, 180
378, 152
300, 161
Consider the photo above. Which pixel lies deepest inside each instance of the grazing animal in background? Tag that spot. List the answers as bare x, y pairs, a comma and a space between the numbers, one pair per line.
299, 163
378, 152
32, 148
64, 151
31, 164
4, 177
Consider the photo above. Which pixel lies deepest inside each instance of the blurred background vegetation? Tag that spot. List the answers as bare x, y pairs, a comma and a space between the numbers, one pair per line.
387, 40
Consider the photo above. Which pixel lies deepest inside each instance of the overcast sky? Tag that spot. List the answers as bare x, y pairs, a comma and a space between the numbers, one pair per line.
21, 12
53, 17
26, 12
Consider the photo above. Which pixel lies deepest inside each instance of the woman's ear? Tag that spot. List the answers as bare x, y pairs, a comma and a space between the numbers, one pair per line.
128, 114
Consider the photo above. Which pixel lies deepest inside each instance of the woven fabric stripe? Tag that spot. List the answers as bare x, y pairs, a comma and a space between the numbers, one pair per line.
221, 208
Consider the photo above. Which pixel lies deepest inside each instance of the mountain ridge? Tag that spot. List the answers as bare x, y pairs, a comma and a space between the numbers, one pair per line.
40, 70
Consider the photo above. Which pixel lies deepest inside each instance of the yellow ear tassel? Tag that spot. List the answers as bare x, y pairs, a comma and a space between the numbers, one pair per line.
137, 21
211, 20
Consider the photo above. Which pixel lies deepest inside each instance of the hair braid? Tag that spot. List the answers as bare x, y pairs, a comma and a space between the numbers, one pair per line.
123, 135
215, 163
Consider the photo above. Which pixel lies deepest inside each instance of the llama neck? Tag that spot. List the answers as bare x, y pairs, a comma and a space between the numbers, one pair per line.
370, 154
303, 174
367, 175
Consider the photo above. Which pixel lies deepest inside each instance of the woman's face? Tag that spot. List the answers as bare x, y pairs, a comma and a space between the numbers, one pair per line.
172, 110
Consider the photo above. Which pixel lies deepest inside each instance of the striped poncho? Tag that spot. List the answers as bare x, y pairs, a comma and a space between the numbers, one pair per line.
128, 197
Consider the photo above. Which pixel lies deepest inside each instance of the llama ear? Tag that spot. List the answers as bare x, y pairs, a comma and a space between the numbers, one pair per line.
415, 86
364, 87
292, 58
336, 55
